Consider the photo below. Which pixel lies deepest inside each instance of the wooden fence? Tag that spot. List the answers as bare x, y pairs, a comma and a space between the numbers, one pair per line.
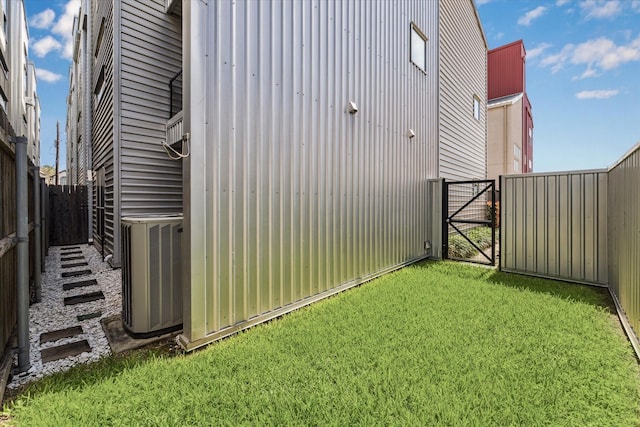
8, 296
67, 215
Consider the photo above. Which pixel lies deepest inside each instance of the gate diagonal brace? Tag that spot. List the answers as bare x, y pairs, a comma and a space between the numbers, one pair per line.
469, 240
480, 193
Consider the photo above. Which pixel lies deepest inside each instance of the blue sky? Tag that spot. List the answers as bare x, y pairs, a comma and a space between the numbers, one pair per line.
50, 48
583, 73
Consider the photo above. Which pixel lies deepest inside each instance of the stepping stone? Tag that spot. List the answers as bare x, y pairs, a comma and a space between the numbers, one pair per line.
89, 316
81, 284
75, 264
65, 350
70, 253
76, 273
69, 248
59, 334
79, 299
71, 258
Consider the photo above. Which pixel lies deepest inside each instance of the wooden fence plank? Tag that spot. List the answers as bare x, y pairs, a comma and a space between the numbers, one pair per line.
67, 215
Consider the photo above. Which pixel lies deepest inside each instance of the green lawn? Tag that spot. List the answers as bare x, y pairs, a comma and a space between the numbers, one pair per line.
432, 344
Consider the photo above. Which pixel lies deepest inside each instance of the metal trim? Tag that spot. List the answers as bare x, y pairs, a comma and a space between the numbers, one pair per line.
274, 314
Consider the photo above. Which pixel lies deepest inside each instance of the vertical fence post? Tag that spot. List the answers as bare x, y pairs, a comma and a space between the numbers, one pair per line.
37, 242
445, 219
22, 251
42, 188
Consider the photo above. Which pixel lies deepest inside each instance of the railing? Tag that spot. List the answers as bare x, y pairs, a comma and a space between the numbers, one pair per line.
174, 129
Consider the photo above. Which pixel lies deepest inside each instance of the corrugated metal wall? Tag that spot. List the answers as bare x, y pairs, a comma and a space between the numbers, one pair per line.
506, 66
462, 74
288, 196
150, 55
624, 235
555, 225
103, 117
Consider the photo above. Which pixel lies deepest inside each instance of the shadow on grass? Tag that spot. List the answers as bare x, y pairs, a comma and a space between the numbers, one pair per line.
593, 295
87, 374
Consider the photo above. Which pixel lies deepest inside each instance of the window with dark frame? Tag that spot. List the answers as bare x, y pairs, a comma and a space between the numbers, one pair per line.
418, 48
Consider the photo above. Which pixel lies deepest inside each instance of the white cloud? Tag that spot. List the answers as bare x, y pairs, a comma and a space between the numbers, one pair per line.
47, 76
599, 54
64, 27
557, 60
596, 94
481, 2
43, 19
601, 8
528, 17
635, 5
589, 72
561, 2
45, 45
538, 50
605, 54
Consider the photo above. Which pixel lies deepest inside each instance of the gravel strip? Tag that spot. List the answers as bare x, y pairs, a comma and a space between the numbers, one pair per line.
51, 314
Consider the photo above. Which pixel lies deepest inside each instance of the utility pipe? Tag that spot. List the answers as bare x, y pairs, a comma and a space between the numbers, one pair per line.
22, 252
37, 242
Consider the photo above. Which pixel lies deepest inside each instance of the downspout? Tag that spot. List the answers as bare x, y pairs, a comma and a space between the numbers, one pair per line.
506, 139
87, 121
37, 243
22, 252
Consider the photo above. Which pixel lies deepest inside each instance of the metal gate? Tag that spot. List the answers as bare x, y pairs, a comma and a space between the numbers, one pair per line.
470, 210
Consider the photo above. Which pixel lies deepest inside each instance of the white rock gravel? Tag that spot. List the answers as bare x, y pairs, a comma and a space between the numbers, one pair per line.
51, 314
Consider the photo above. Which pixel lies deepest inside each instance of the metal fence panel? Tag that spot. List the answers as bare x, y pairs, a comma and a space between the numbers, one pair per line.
624, 235
555, 225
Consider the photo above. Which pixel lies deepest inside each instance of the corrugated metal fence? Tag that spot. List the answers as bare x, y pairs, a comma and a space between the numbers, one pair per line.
579, 226
555, 225
624, 235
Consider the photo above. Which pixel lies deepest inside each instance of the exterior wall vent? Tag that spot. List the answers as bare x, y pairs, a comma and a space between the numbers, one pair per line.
151, 275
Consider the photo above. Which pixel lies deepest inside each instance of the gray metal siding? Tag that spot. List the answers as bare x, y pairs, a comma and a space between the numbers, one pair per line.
288, 196
150, 55
555, 225
103, 115
624, 235
462, 74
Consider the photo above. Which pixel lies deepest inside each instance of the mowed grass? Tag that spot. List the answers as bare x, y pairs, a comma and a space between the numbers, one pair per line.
432, 344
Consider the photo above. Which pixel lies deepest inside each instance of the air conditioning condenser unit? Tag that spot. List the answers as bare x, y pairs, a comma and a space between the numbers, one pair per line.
151, 275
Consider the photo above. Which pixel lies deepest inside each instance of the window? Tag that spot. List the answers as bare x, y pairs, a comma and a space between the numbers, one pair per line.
516, 152
418, 48
3, 100
99, 89
476, 107
99, 38
516, 166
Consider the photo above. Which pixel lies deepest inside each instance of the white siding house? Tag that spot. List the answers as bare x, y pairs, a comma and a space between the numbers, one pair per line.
463, 92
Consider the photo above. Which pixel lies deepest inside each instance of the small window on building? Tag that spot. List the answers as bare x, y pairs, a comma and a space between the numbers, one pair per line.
418, 48
99, 38
516, 166
516, 152
530, 165
476, 107
99, 89
3, 100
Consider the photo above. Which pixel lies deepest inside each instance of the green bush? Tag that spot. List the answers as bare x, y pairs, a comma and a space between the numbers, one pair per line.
459, 247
